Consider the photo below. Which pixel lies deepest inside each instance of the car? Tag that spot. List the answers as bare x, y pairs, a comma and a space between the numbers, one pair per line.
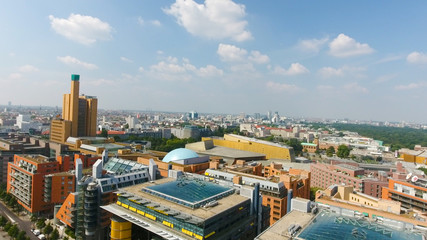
41, 236
36, 232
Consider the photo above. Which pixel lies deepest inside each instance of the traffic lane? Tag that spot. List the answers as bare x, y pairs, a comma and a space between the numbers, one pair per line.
23, 225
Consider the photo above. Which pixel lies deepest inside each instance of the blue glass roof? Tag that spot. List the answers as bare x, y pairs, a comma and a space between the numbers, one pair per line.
180, 154
189, 192
329, 225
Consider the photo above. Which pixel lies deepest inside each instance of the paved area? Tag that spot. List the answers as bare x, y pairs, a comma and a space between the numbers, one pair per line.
23, 224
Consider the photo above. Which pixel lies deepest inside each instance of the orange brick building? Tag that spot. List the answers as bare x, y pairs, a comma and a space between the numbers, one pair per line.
25, 181
275, 186
57, 187
410, 194
67, 211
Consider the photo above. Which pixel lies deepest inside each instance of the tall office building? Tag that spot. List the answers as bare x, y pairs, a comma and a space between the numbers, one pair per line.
79, 115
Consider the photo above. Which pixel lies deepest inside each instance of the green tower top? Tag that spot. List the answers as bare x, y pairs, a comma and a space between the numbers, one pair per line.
75, 77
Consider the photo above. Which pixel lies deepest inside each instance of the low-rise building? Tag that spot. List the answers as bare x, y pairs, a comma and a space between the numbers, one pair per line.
187, 207
325, 175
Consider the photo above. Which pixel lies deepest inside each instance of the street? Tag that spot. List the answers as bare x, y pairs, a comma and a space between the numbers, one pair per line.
22, 225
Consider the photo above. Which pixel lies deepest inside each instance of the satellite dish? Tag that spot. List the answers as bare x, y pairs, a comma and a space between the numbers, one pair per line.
408, 176
414, 179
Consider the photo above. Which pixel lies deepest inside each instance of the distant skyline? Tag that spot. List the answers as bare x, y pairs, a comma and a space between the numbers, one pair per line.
336, 59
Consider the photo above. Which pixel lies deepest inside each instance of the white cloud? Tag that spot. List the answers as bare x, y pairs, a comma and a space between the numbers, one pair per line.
215, 19
231, 53
329, 72
74, 61
124, 59
141, 69
100, 82
82, 29
385, 78
173, 70
417, 58
243, 68
159, 52
389, 59
156, 23
325, 88
28, 68
15, 76
141, 21
259, 58
282, 87
12, 54
345, 46
294, 69
411, 86
312, 45
210, 71
355, 87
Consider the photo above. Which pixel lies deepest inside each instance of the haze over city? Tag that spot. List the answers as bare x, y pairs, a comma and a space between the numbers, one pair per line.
335, 59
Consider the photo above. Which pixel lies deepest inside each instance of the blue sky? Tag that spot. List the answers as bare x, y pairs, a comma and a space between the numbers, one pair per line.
331, 59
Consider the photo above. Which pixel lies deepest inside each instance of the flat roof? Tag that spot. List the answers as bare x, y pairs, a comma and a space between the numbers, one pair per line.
189, 191
259, 141
35, 158
279, 230
203, 213
229, 153
151, 226
350, 167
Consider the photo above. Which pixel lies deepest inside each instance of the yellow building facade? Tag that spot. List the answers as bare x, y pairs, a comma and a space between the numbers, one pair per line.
271, 150
420, 159
79, 115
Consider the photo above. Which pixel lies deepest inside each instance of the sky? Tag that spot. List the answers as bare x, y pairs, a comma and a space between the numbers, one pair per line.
363, 60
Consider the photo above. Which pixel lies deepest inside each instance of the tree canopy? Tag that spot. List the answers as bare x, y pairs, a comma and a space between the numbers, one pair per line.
343, 151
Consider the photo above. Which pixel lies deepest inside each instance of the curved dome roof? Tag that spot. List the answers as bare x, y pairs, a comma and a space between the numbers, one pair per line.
180, 154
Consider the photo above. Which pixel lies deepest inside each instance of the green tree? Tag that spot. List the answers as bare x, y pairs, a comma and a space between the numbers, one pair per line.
7, 226
343, 151
104, 133
330, 151
41, 223
54, 235
3, 221
313, 191
21, 235
48, 229
33, 218
13, 231
295, 144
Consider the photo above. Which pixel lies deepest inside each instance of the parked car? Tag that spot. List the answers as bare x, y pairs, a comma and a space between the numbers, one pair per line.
36, 232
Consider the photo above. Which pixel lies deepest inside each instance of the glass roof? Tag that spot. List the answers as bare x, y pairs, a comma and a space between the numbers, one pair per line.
189, 192
119, 166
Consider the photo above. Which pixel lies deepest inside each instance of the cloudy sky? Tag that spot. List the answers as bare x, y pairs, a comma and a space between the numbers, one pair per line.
335, 59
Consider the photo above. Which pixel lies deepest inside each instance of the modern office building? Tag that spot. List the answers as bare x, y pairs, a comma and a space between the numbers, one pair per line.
79, 115
309, 220
187, 207
80, 210
271, 150
277, 189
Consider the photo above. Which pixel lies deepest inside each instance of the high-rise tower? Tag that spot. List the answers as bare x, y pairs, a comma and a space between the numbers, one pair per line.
79, 115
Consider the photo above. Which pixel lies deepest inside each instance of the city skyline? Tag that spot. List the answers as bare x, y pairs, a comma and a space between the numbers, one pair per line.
358, 60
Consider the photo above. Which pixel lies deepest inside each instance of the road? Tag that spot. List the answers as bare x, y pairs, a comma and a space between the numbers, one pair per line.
23, 225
